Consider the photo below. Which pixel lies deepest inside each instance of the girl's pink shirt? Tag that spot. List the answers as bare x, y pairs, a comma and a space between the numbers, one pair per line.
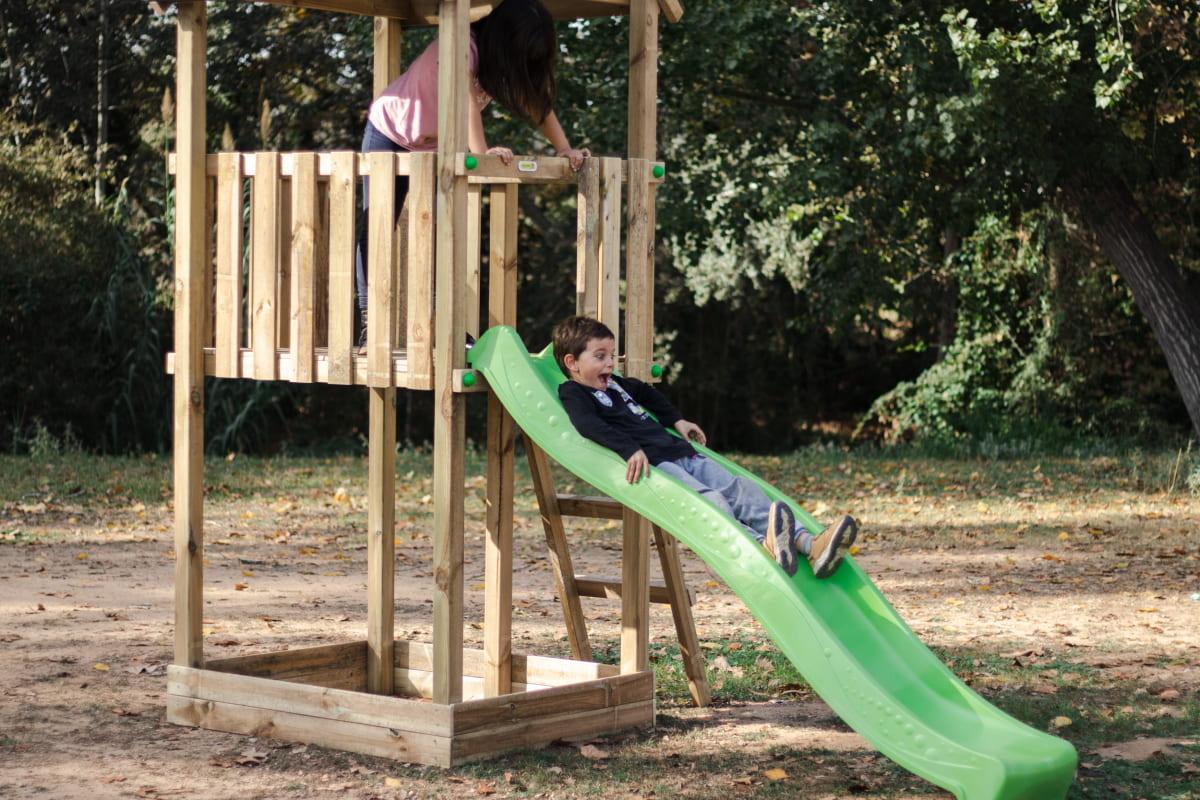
407, 110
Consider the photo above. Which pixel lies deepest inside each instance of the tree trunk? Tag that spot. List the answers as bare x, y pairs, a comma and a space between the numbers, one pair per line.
1161, 290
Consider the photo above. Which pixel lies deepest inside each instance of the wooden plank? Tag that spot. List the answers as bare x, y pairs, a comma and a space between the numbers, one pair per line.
385, 741
341, 269
419, 292
474, 235
501, 433
550, 702
304, 265
587, 241
560, 554
419, 683
285, 368
190, 294
570, 505
610, 588
313, 701
208, 281
264, 264
643, 78
229, 266
449, 437
381, 253
542, 731
388, 41
680, 600
639, 275
542, 670
284, 664
635, 594
672, 10
381, 539
609, 246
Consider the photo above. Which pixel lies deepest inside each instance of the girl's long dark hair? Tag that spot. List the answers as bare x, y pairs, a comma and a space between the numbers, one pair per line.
518, 49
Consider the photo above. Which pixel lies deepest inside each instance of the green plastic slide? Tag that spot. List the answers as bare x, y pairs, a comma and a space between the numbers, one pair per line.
841, 633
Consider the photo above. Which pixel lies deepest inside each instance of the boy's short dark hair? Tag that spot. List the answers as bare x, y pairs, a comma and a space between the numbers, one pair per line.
572, 336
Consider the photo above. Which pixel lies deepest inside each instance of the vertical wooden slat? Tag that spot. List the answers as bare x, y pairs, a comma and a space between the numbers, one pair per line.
264, 265
387, 52
681, 611
381, 252
209, 279
501, 436
639, 310
229, 266
449, 436
587, 243
283, 276
560, 554
474, 256
341, 268
190, 120
304, 258
610, 246
381, 539
419, 294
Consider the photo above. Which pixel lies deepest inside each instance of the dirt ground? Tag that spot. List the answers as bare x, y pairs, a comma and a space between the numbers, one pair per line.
1107, 583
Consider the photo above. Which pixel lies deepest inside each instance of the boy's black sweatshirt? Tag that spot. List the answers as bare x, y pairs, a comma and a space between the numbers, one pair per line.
606, 418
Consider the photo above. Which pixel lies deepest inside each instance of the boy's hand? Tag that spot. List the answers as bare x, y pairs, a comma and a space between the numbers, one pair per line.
637, 467
691, 431
505, 153
576, 156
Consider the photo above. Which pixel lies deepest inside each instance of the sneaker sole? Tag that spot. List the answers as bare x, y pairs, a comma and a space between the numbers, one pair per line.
781, 524
843, 536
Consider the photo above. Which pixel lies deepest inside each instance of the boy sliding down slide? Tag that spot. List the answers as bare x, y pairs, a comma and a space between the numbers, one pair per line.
611, 411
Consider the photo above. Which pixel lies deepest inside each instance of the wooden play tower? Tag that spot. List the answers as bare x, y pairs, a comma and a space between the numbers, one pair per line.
272, 299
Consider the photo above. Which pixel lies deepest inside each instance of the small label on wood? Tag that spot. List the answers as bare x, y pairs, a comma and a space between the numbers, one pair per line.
527, 166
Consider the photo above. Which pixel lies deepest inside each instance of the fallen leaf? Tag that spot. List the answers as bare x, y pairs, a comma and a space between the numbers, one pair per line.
776, 774
252, 757
102, 667
484, 788
81, 556
592, 752
1060, 722
241, 586
1168, 695
394, 783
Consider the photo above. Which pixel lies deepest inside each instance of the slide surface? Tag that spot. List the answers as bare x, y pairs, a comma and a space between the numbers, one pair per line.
842, 635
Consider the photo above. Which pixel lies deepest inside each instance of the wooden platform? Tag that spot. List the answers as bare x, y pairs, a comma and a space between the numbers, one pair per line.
317, 696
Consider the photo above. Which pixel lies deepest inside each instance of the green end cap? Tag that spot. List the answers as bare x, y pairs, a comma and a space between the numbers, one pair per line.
659, 170
469, 379
656, 370
471, 162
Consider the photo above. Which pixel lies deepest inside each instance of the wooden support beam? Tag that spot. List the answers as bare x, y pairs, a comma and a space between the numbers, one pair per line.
680, 600
381, 539
474, 236
597, 586
570, 505
190, 302
560, 554
388, 40
501, 432
449, 436
608, 257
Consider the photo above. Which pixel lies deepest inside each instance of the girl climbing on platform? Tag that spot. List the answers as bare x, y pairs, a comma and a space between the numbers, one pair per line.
513, 52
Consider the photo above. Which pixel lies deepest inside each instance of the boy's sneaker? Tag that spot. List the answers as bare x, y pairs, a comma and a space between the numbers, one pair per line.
831, 546
779, 540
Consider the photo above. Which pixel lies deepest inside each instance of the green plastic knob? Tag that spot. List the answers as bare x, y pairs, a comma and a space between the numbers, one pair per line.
656, 370
659, 170
469, 379
471, 162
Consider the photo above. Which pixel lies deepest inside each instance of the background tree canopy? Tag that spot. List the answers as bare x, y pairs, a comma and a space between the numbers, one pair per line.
942, 220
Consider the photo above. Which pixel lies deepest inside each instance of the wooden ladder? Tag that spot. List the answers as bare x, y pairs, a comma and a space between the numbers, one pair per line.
671, 590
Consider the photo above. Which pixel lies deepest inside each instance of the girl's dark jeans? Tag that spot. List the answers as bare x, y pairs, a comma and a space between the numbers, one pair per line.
373, 142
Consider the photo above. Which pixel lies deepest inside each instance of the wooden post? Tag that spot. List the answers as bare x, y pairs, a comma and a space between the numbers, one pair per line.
639, 308
190, 302
388, 51
264, 265
501, 433
449, 436
381, 539
474, 257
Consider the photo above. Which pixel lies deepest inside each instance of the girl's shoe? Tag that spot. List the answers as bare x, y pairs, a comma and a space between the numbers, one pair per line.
779, 540
831, 546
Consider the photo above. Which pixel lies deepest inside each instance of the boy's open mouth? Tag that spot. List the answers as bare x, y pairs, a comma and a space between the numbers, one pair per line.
604, 380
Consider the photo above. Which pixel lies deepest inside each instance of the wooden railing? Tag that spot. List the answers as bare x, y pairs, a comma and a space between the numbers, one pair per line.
281, 255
